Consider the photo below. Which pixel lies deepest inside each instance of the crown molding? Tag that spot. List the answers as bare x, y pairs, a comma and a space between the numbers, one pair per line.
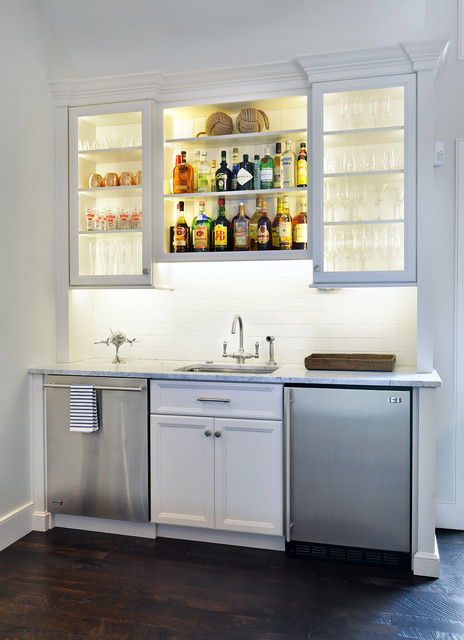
121, 88
381, 61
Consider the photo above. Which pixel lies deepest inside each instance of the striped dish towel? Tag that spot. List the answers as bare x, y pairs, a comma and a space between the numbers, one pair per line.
83, 408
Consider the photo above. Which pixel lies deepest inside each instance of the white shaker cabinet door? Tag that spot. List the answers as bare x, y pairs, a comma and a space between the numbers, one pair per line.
182, 470
248, 483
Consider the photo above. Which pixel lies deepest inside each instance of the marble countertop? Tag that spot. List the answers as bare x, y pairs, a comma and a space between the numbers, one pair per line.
285, 374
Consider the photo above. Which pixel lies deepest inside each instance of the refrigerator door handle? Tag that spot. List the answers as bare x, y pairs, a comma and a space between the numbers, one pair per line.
288, 399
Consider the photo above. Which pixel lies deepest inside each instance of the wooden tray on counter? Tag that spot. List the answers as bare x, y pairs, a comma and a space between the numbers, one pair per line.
350, 362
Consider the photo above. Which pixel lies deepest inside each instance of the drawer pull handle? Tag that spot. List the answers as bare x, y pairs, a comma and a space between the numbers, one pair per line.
213, 399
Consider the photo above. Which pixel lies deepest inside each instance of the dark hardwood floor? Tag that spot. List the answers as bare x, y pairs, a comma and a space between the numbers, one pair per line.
69, 585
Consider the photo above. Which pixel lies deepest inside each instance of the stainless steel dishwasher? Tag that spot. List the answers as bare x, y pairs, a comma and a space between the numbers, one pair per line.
102, 473
348, 474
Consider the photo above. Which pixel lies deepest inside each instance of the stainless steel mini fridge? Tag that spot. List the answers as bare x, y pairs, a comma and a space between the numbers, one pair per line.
102, 473
348, 474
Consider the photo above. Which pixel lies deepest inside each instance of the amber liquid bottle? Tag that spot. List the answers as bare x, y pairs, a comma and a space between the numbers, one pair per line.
241, 229
302, 167
181, 232
275, 224
254, 225
182, 176
285, 226
300, 228
220, 228
264, 230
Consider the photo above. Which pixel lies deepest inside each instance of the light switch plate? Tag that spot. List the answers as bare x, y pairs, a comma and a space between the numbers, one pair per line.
439, 158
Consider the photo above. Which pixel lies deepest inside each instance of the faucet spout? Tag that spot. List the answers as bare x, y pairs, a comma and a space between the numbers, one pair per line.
238, 319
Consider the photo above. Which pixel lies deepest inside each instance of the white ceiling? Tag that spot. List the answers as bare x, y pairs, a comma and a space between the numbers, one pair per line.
111, 37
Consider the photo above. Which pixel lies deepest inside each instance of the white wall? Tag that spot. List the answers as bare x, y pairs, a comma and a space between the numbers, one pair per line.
273, 298
27, 49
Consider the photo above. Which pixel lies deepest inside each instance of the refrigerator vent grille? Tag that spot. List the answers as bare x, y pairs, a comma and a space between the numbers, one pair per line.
338, 553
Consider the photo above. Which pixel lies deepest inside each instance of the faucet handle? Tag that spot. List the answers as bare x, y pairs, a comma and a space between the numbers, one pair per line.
224, 349
256, 350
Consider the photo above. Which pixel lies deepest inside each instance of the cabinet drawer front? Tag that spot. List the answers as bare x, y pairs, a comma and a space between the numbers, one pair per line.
239, 400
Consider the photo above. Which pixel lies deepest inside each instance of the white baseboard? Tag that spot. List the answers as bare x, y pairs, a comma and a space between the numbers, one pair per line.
102, 525
42, 521
427, 564
16, 525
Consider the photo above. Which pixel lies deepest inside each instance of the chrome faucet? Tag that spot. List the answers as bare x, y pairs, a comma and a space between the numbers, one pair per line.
240, 355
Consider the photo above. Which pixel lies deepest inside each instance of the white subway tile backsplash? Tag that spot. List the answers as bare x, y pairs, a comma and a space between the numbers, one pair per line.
273, 298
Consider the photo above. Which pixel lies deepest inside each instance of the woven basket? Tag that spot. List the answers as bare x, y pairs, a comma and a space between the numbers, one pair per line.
252, 120
350, 362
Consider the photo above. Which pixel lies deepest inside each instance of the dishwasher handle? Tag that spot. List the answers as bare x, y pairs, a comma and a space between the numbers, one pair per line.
68, 386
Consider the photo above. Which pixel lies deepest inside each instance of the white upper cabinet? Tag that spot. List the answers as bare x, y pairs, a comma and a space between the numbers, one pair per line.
364, 181
110, 194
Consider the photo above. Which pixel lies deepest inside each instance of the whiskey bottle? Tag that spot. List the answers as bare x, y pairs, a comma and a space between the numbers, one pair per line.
266, 171
275, 224
245, 174
302, 167
241, 230
181, 231
182, 177
288, 166
277, 168
201, 230
223, 175
204, 179
285, 226
254, 225
220, 228
264, 230
171, 181
300, 228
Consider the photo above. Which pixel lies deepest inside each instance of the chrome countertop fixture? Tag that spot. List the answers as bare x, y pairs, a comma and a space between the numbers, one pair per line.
240, 356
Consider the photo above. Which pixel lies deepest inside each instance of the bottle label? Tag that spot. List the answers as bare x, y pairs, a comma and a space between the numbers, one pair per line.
200, 237
302, 173
263, 234
243, 176
220, 235
254, 231
285, 231
300, 233
275, 237
221, 182
203, 182
180, 237
266, 176
241, 234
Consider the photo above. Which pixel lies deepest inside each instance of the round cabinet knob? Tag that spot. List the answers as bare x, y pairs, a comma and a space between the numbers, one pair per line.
207, 433
317, 267
217, 434
145, 271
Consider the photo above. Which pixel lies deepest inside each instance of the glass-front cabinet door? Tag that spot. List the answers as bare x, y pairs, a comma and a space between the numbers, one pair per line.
110, 194
364, 181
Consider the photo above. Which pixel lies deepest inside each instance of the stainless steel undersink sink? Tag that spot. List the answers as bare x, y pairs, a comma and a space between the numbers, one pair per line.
217, 367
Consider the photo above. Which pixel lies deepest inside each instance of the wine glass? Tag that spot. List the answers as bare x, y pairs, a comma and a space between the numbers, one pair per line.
329, 201
397, 195
344, 110
378, 193
330, 248
393, 245
358, 111
369, 160
389, 159
386, 104
374, 108
359, 196
343, 196
349, 162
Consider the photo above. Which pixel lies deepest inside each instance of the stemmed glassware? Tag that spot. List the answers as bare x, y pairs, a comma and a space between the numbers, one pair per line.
344, 108
374, 108
397, 195
343, 196
378, 194
358, 111
386, 104
359, 196
329, 201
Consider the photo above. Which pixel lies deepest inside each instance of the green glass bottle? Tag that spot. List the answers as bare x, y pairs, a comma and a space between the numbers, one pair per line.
201, 231
266, 170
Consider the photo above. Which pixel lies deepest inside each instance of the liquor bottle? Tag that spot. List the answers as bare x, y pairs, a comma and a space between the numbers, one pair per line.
302, 167
300, 228
223, 175
266, 171
245, 174
220, 228
288, 166
181, 231
241, 224
171, 181
256, 181
264, 230
195, 165
254, 225
285, 226
233, 183
204, 179
213, 175
275, 224
182, 176
277, 168
201, 230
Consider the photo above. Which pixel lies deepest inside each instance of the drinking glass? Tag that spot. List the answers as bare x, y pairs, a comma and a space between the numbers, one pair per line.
397, 195
343, 196
330, 161
344, 110
389, 159
358, 111
349, 162
329, 201
374, 108
369, 160
386, 104
359, 196
330, 248
378, 194
393, 239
